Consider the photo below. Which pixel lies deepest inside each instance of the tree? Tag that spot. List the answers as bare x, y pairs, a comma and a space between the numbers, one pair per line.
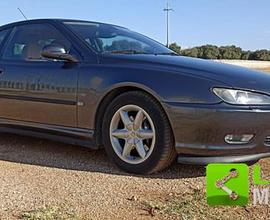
209, 52
261, 55
246, 55
224, 52
230, 52
192, 52
175, 47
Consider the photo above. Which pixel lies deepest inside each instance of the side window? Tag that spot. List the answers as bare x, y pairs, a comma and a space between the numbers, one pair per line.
28, 42
3, 35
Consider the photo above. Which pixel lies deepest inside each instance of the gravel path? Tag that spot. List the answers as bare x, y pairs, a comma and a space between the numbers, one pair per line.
37, 173
40, 179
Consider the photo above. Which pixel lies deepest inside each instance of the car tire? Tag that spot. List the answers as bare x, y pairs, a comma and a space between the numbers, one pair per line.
137, 135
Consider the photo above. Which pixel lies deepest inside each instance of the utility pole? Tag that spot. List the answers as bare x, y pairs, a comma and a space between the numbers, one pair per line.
22, 13
168, 10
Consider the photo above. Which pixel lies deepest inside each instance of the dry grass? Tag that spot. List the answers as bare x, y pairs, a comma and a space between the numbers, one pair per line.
191, 204
49, 213
265, 70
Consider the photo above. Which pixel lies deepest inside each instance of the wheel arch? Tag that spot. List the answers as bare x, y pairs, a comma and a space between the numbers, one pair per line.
109, 97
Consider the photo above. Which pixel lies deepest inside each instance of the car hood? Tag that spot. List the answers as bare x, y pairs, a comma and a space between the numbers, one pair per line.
233, 76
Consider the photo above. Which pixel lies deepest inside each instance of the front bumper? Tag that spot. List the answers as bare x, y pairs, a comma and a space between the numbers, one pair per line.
200, 129
204, 160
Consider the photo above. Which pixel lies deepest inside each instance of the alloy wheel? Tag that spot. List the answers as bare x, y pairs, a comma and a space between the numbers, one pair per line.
132, 134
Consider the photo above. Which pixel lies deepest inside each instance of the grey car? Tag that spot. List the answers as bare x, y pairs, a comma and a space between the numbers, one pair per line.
100, 85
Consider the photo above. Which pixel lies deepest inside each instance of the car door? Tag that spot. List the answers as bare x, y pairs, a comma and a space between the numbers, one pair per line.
34, 89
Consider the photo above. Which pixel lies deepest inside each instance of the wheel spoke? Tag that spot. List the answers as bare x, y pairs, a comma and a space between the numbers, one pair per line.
125, 118
146, 134
140, 149
122, 134
126, 150
138, 120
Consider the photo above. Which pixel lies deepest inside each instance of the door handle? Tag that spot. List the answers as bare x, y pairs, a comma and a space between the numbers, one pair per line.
1, 71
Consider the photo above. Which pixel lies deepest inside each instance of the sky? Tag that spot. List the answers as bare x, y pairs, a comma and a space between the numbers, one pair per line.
244, 23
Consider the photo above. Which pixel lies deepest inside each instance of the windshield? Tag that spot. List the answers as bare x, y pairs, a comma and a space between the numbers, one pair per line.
104, 38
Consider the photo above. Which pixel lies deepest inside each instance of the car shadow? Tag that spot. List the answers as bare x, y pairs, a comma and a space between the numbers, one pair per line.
40, 152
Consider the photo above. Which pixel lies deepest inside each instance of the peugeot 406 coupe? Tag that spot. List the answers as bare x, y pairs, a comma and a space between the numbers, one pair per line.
100, 85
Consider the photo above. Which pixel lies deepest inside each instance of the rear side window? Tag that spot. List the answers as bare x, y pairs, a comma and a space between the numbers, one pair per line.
3, 34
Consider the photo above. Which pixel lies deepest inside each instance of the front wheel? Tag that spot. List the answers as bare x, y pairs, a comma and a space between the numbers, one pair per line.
137, 134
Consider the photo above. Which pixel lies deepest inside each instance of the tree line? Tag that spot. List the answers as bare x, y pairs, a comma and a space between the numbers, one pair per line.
224, 52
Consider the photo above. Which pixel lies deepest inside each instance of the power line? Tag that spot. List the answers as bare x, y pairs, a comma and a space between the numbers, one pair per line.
168, 10
22, 13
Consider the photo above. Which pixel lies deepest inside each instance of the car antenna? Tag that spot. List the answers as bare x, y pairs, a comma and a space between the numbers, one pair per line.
22, 13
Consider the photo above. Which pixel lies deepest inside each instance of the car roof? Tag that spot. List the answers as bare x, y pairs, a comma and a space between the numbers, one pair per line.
10, 25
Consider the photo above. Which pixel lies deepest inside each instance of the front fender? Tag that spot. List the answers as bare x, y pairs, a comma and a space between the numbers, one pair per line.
96, 81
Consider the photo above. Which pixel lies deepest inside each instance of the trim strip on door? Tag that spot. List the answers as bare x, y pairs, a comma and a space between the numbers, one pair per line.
33, 99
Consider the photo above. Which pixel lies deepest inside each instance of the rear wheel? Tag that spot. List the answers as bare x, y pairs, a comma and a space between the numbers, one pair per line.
137, 134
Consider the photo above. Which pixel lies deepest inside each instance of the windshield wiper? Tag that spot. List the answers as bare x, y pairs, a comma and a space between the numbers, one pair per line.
126, 52
168, 53
138, 52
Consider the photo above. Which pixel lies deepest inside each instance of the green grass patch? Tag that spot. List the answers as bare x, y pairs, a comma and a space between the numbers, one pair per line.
49, 213
191, 205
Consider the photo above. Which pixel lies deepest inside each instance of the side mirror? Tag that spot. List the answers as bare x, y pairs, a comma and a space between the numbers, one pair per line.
57, 53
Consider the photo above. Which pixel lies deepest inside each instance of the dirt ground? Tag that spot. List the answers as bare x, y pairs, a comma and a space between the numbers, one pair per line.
47, 180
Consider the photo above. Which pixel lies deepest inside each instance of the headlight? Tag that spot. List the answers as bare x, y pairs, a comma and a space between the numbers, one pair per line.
240, 97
